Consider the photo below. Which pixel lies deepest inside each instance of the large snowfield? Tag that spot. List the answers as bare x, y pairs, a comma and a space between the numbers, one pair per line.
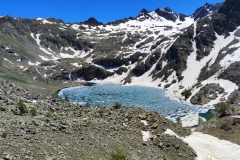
209, 147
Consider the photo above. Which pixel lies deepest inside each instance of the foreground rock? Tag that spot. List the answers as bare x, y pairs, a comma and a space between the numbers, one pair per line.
55, 129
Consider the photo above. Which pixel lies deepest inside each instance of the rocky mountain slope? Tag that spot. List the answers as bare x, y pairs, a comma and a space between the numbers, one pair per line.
182, 54
36, 126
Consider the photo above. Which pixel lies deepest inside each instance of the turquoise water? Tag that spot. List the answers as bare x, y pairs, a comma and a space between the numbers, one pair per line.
107, 94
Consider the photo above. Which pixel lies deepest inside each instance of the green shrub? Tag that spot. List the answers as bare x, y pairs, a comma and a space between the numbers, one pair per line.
22, 107
223, 109
33, 111
200, 120
66, 98
179, 121
48, 114
117, 105
55, 95
117, 155
209, 117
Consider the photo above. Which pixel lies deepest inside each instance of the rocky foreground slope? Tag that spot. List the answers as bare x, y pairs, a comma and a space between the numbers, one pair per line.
182, 54
36, 126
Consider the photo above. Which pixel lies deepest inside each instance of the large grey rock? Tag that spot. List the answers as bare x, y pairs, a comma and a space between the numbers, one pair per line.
237, 33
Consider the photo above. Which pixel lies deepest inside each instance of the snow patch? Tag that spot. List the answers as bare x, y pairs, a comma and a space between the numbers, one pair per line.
8, 61
33, 64
194, 67
75, 26
39, 19
64, 55
76, 65
236, 116
144, 122
41, 48
171, 133
209, 147
146, 136
43, 58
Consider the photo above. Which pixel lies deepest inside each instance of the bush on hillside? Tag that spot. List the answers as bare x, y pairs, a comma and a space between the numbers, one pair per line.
33, 111
22, 107
117, 155
179, 121
223, 109
117, 105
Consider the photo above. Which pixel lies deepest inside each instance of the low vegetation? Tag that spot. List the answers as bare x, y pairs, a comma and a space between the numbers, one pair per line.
179, 121
117, 105
223, 109
117, 155
22, 107
33, 111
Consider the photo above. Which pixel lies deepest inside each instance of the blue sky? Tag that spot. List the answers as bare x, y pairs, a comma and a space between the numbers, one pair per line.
103, 10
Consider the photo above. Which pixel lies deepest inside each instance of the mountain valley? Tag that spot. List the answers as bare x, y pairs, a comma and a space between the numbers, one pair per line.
195, 58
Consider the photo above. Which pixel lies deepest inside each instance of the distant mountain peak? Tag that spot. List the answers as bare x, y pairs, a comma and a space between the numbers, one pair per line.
167, 9
205, 10
55, 20
92, 22
144, 13
167, 13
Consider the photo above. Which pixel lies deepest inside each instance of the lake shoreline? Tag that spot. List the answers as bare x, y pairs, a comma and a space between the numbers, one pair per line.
176, 107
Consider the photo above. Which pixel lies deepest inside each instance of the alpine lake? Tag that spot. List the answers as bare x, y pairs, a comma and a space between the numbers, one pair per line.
148, 98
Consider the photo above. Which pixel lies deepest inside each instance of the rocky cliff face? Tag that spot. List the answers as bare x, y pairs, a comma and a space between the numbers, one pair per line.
205, 10
169, 50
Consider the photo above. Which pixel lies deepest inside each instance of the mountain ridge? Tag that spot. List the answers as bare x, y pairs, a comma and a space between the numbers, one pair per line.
157, 49
206, 5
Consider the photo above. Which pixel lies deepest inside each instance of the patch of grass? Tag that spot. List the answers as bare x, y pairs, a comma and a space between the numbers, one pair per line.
209, 117
12, 78
33, 111
1, 61
24, 52
117, 155
31, 39
48, 114
17, 42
